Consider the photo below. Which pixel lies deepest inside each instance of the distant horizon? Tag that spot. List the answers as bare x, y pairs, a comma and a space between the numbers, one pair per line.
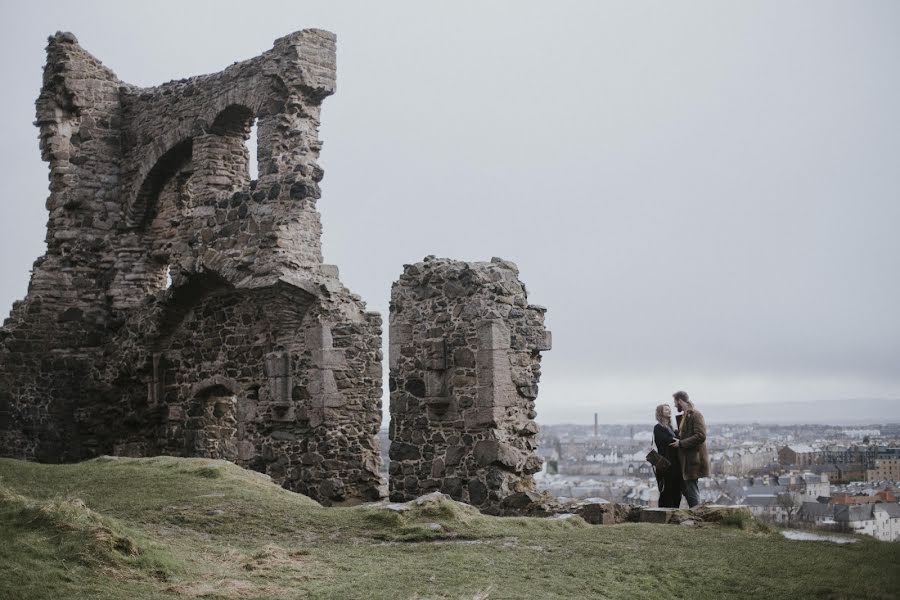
767, 423
830, 413
712, 412
833, 412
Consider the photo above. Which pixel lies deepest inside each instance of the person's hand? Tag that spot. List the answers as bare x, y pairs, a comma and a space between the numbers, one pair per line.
675, 444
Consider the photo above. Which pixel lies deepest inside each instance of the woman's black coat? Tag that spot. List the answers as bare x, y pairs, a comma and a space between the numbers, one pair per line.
669, 481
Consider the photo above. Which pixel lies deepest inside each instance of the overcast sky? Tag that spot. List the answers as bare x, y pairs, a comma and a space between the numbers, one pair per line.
705, 195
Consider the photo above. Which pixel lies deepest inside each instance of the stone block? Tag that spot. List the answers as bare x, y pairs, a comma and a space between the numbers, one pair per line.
493, 335
656, 515
533, 464
438, 405
546, 342
175, 413
598, 513
402, 451
478, 492
435, 383
321, 385
529, 429
452, 486
464, 357
283, 412
454, 455
480, 417
520, 500
435, 355
331, 271
490, 452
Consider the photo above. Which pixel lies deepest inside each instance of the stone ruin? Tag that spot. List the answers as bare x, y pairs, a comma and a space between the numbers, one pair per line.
183, 309
464, 367
256, 353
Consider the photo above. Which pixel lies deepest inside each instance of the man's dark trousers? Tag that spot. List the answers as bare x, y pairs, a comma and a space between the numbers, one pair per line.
691, 492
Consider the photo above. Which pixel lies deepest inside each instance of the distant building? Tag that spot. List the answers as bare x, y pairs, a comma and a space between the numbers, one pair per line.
815, 514
799, 455
741, 461
881, 521
814, 485
829, 471
865, 454
848, 472
862, 433
855, 518
887, 522
885, 469
643, 495
886, 496
767, 507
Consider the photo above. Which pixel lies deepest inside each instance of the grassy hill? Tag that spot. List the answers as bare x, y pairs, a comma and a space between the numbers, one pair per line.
182, 528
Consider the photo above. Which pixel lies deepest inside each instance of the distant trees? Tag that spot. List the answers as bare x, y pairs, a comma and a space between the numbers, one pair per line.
790, 503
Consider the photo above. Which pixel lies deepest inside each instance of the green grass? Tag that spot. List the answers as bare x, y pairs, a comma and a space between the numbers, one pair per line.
181, 528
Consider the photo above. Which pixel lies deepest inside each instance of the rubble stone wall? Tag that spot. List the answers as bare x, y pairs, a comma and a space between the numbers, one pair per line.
465, 357
181, 308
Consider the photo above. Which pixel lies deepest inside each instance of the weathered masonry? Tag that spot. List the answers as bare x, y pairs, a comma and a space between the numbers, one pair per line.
181, 308
464, 367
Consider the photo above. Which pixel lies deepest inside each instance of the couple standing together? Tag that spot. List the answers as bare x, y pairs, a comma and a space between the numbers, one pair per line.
685, 448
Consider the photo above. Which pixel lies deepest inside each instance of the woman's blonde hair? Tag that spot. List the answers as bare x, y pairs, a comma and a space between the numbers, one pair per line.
661, 418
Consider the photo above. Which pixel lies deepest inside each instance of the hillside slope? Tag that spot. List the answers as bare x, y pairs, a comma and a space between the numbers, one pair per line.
174, 528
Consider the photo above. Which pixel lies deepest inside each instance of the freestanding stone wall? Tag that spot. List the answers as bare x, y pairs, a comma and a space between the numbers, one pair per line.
464, 367
254, 352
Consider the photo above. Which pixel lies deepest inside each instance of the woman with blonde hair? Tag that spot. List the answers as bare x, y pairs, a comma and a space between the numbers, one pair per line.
669, 480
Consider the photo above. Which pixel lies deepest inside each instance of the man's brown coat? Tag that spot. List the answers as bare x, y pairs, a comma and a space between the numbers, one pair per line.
692, 448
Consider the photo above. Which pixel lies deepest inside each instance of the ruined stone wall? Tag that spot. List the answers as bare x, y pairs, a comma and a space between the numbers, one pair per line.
79, 115
256, 353
464, 367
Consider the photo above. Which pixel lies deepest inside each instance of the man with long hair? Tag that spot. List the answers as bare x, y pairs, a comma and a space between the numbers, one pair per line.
691, 444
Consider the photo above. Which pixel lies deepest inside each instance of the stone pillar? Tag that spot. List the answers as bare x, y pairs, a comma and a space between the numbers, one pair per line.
322, 383
464, 366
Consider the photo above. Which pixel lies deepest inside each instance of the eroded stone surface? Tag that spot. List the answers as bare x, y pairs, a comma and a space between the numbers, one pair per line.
256, 353
464, 367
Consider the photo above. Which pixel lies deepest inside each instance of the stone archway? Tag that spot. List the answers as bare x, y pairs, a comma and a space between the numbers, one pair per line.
221, 158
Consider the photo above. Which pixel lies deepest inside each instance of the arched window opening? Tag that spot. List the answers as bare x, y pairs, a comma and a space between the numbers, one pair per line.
170, 164
234, 121
226, 154
252, 151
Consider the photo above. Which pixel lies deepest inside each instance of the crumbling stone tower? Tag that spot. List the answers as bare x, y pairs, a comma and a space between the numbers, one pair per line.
464, 367
255, 352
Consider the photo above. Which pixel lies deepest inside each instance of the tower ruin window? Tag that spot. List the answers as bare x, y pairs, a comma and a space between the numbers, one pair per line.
252, 151
174, 161
231, 152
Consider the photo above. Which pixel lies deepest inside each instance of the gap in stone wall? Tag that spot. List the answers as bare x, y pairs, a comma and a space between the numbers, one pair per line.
252, 151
